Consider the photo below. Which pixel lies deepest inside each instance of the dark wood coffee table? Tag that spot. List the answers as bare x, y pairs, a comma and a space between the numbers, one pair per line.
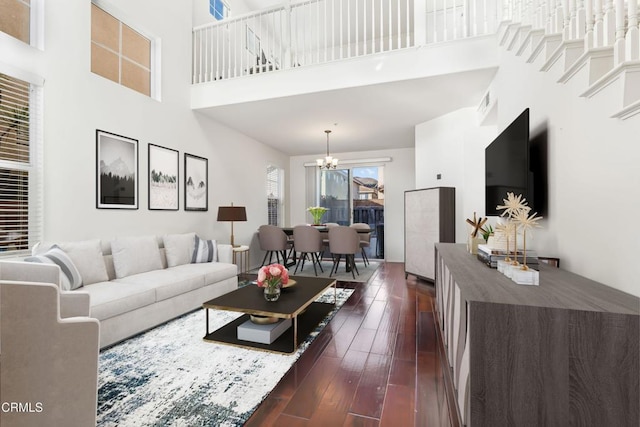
295, 302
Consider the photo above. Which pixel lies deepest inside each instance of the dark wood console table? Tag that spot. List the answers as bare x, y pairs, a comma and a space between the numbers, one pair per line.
562, 353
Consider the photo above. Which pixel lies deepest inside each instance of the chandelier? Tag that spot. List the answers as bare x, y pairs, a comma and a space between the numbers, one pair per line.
328, 162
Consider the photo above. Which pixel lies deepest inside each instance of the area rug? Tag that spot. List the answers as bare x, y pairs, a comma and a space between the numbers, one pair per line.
365, 272
169, 376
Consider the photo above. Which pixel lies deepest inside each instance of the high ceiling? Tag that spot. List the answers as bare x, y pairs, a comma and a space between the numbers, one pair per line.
362, 118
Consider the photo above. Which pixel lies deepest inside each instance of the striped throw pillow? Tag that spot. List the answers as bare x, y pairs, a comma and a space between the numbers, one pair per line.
204, 251
70, 278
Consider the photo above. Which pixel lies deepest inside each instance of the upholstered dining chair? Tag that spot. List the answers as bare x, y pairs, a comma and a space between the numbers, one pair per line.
344, 241
273, 240
365, 239
325, 237
307, 242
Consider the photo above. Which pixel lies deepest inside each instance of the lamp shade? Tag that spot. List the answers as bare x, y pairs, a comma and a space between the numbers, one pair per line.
232, 213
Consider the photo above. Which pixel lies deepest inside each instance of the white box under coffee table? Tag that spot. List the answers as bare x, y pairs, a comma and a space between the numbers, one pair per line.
265, 334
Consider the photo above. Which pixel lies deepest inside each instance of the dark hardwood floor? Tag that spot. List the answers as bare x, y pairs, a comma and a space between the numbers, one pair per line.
377, 363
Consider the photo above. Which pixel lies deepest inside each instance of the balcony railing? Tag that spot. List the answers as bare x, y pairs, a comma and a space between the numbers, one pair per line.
320, 31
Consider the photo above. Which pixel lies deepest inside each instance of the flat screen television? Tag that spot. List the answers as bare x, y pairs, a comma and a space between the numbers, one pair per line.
507, 165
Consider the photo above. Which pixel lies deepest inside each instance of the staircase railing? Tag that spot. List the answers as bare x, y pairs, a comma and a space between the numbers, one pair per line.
319, 31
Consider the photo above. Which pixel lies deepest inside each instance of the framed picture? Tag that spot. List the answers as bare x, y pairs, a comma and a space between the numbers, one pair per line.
116, 171
196, 183
163, 178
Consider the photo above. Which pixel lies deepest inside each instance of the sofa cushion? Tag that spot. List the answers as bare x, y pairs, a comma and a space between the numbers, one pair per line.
178, 248
87, 257
109, 299
168, 283
133, 255
70, 277
204, 251
213, 272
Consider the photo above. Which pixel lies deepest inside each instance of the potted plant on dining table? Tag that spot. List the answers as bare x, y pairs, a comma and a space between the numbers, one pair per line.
317, 212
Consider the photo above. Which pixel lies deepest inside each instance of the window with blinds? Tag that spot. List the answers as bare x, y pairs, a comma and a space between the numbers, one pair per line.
274, 195
20, 168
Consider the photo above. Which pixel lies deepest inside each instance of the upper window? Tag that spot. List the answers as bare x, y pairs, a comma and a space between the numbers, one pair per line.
120, 53
219, 9
20, 165
15, 19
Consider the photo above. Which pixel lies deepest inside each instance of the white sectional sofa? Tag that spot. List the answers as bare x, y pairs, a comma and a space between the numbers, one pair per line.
136, 283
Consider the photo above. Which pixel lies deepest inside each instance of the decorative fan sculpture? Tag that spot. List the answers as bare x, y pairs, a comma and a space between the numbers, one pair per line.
513, 205
527, 222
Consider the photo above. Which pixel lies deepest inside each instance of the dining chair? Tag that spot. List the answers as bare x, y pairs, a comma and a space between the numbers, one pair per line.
307, 241
365, 239
274, 241
344, 241
325, 237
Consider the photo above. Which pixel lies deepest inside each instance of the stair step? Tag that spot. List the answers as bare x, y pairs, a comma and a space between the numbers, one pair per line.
530, 41
566, 54
596, 62
628, 111
545, 47
518, 37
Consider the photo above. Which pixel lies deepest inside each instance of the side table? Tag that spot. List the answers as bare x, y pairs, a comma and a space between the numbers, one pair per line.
241, 258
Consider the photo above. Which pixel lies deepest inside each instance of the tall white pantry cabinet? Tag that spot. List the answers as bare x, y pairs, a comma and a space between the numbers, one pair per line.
429, 218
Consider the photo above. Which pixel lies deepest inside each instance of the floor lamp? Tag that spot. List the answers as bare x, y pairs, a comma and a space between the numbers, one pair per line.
232, 214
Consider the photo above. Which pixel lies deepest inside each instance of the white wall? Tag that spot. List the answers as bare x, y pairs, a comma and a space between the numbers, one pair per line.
399, 176
78, 102
593, 170
453, 146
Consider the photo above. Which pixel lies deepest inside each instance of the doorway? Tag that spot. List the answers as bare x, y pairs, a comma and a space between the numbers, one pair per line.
355, 195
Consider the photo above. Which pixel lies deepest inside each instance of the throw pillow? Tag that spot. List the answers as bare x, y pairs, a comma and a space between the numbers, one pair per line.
70, 278
205, 251
87, 257
133, 255
178, 248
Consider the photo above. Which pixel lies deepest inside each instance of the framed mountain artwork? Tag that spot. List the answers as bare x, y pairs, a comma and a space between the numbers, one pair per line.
116, 171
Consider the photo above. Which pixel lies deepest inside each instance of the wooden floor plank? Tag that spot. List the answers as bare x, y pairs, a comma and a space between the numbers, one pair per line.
371, 391
334, 407
309, 394
398, 406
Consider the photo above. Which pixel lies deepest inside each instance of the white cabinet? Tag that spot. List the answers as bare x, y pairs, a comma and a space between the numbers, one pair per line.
429, 218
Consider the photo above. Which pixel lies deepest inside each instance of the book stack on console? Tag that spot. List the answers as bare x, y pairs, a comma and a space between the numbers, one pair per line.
491, 256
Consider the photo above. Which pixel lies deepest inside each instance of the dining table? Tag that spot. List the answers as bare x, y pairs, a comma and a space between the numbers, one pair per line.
289, 232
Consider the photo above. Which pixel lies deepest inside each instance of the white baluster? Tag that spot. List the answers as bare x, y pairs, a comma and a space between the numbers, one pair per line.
598, 24
341, 32
407, 22
632, 52
589, 23
390, 7
399, 27
580, 20
609, 23
619, 43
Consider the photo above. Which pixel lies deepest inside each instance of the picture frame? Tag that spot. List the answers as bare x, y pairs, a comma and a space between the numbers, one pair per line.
163, 178
196, 183
116, 171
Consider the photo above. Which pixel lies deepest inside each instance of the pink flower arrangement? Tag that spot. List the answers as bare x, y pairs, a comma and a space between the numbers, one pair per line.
273, 276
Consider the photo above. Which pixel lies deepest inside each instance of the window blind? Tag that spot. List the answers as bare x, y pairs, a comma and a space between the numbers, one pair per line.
20, 165
274, 195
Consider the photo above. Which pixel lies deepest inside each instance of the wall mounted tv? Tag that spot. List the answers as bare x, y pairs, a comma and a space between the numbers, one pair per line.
507, 165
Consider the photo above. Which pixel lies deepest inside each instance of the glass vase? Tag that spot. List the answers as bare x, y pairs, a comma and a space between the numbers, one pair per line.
272, 293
